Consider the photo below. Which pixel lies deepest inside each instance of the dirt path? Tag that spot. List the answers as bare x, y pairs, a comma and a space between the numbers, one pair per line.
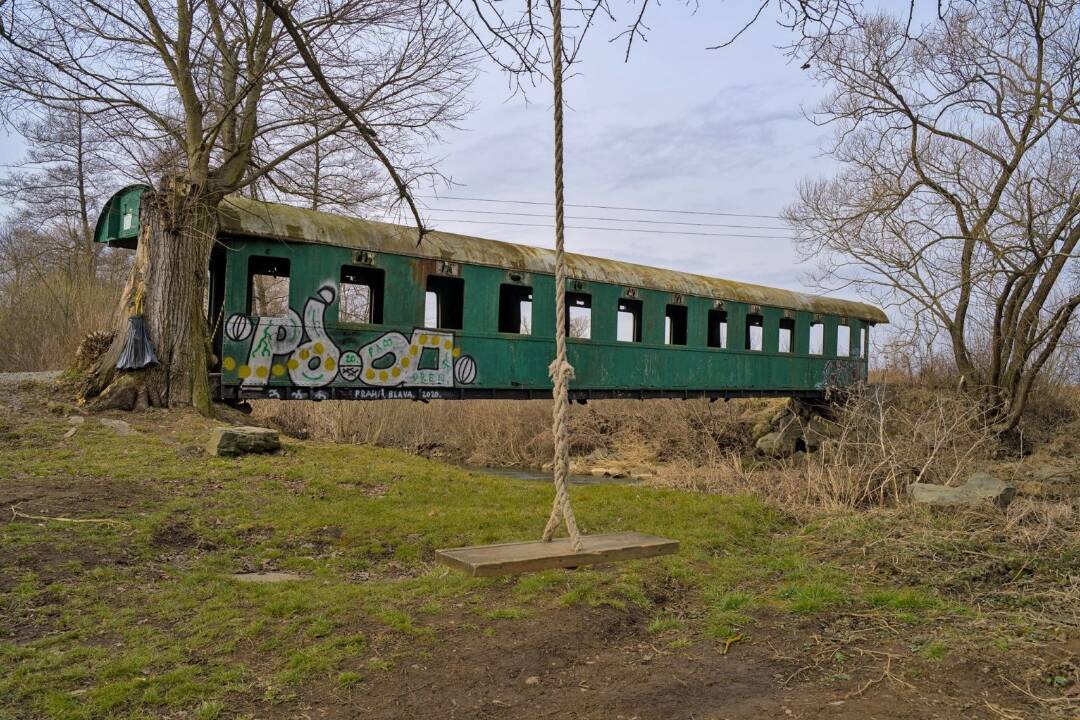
604, 664
17, 378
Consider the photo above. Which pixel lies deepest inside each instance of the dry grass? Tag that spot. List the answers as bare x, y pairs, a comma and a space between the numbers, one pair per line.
518, 434
42, 321
885, 438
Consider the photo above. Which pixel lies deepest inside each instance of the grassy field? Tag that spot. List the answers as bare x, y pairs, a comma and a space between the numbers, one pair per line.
118, 595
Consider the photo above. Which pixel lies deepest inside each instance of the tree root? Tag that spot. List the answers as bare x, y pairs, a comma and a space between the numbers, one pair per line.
128, 391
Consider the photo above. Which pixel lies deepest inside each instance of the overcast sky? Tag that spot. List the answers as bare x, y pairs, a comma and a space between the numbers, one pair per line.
677, 127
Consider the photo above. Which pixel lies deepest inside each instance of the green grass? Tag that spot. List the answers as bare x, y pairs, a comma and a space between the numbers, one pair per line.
935, 650
141, 618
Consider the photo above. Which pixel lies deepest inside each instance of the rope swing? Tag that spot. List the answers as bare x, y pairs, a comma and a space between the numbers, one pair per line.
519, 557
561, 370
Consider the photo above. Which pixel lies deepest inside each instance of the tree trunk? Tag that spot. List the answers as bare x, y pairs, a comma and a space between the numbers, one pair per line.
178, 224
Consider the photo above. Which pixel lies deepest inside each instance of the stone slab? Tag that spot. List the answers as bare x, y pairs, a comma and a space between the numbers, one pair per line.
979, 488
232, 441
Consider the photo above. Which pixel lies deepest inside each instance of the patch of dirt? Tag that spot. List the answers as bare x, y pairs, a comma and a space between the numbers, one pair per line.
602, 663
175, 533
70, 498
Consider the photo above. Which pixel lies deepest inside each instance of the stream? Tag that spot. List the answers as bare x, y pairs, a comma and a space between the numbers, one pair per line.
546, 476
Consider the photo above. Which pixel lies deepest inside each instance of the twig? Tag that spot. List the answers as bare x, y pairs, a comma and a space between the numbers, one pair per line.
1003, 712
886, 672
102, 521
1037, 698
873, 616
798, 672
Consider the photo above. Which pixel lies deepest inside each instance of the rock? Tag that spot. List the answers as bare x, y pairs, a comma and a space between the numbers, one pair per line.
770, 444
56, 408
70, 432
532, 680
782, 442
266, 577
764, 421
76, 420
979, 489
817, 431
229, 441
121, 427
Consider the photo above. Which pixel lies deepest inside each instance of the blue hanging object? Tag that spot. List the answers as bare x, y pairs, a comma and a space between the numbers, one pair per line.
138, 353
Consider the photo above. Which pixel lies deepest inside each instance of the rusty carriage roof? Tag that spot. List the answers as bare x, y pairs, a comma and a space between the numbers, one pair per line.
251, 218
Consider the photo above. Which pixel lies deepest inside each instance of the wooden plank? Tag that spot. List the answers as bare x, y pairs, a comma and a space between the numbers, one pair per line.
520, 557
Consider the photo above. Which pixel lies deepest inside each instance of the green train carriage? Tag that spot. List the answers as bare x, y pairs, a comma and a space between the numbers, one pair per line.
310, 305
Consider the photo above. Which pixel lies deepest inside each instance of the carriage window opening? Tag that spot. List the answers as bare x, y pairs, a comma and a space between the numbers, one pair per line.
817, 338
361, 295
718, 328
629, 321
843, 341
675, 325
444, 302
755, 327
787, 335
268, 286
863, 336
579, 315
515, 309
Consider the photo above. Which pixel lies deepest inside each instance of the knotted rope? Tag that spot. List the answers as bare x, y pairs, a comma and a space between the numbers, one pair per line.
561, 370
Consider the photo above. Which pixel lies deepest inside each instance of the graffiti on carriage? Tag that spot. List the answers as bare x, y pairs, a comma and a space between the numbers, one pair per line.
302, 348
840, 372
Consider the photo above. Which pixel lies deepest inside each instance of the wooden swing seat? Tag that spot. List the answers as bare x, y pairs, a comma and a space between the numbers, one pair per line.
521, 557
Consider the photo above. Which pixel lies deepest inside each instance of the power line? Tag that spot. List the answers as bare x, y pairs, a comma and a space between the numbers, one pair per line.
608, 219
614, 229
601, 207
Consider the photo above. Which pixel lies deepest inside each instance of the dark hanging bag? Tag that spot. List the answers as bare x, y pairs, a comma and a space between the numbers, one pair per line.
138, 353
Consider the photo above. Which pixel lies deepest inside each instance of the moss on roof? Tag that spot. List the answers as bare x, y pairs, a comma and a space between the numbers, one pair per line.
244, 217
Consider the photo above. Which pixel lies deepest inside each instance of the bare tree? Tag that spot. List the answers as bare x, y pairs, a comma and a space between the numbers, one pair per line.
56, 284
203, 98
958, 194
57, 184
517, 35
330, 175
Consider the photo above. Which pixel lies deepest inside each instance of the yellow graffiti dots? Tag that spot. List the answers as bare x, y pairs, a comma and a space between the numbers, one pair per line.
228, 364
448, 344
244, 371
261, 371
383, 375
413, 349
370, 374
278, 370
292, 364
329, 364
406, 362
457, 352
422, 339
305, 354
396, 372
434, 340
